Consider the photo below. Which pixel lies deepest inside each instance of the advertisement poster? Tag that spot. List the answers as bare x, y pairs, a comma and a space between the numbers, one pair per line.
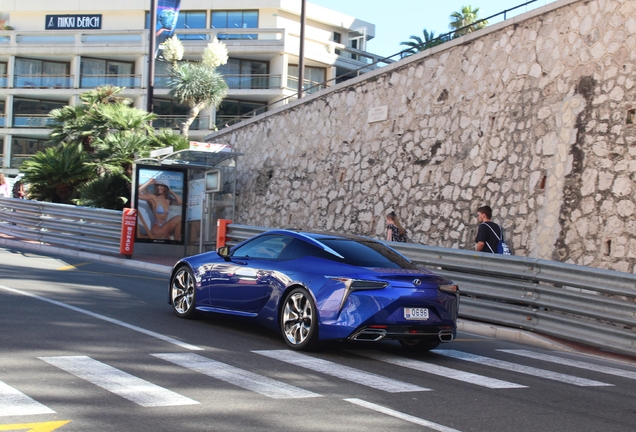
160, 203
195, 199
167, 15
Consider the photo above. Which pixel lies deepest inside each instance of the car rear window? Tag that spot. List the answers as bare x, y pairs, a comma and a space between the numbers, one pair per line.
366, 254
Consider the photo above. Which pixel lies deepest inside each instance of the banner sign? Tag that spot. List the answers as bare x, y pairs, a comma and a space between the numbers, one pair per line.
210, 147
127, 238
161, 204
73, 22
167, 15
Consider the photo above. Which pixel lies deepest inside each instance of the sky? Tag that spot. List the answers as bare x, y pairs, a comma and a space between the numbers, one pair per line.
396, 20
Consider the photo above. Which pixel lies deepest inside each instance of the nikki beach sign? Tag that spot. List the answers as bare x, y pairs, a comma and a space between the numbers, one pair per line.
73, 22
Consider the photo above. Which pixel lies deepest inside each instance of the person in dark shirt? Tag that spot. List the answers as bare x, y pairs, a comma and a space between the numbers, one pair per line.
487, 240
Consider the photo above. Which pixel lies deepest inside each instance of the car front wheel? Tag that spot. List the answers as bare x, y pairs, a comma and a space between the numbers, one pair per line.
299, 321
183, 293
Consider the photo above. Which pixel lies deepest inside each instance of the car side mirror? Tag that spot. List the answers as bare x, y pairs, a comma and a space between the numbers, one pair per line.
224, 252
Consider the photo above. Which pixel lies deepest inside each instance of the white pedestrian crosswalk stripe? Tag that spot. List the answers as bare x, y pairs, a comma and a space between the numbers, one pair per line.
16, 403
528, 370
409, 418
146, 394
238, 377
442, 371
343, 372
574, 363
118, 382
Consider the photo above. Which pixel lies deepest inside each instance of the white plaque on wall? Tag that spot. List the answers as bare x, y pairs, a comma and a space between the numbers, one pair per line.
377, 114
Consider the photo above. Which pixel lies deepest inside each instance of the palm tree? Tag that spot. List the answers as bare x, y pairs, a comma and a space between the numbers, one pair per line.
166, 138
107, 94
464, 18
101, 112
55, 173
105, 135
417, 44
197, 85
111, 191
118, 117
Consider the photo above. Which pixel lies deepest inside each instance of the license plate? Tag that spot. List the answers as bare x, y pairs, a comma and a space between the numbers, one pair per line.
416, 313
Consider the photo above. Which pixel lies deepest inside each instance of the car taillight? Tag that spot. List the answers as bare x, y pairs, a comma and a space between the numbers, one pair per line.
357, 284
367, 285
449, 288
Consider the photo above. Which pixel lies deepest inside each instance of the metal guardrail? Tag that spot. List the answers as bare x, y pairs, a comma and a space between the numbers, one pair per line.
576, 303
81, 228
581, 304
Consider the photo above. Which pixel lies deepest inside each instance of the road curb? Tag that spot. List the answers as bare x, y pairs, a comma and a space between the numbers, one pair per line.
47, 249
510, 334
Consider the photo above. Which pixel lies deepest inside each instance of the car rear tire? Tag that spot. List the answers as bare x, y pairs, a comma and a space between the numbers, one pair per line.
420, 345
299, 320
183, 293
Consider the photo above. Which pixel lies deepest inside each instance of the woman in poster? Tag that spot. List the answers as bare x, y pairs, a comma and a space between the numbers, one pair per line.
160, 202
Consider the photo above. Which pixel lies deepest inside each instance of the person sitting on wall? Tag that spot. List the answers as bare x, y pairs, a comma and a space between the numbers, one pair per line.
160, 202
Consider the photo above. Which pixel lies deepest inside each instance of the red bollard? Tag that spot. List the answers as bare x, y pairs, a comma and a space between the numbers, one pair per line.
128, 226
221, 232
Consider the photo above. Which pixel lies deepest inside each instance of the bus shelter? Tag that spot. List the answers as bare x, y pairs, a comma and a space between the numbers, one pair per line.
179, 198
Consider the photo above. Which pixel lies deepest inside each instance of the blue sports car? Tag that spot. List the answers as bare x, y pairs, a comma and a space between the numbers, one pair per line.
316, 287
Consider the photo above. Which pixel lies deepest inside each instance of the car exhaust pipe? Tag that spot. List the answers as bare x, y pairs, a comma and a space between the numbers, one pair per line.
369, 335
445, 336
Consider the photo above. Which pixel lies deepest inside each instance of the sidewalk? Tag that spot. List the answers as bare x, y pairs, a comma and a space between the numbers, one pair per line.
163, 265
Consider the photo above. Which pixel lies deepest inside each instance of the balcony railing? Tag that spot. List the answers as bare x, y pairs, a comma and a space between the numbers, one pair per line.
94, 80
43, 81
255, 81
174, 122
235, 82
4, 81
32, 120
227, 120
3, 120
309, 87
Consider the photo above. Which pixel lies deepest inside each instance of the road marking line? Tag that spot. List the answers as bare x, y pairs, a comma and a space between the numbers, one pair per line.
73, 266
14, 402
442, 371
238, 377
110, 320
343, 372
528, 370
401, 416
129, 387
35, 427
574, 363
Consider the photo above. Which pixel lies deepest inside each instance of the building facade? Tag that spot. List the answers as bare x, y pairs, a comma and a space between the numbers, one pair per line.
49, 56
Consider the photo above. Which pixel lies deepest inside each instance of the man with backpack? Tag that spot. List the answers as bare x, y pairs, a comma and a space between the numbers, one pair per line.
489, 235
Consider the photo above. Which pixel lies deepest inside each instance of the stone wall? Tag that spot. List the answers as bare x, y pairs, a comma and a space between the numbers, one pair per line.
533, 116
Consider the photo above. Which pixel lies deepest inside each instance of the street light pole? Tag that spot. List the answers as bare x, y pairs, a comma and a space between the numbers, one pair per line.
301, 55
151, 56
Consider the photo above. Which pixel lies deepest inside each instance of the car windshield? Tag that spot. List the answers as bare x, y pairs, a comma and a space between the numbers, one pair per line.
367, 254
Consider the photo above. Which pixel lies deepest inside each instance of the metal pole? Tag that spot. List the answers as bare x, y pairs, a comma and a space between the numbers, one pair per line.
301, 55
151, 55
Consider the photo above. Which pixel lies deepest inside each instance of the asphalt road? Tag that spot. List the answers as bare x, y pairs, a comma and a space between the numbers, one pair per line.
87, 346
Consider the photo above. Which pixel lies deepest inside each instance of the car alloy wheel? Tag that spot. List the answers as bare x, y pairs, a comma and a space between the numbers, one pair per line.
182, 292
299, 322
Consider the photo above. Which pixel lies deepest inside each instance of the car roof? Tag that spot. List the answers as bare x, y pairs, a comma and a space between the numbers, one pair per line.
317, 238
318, 235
